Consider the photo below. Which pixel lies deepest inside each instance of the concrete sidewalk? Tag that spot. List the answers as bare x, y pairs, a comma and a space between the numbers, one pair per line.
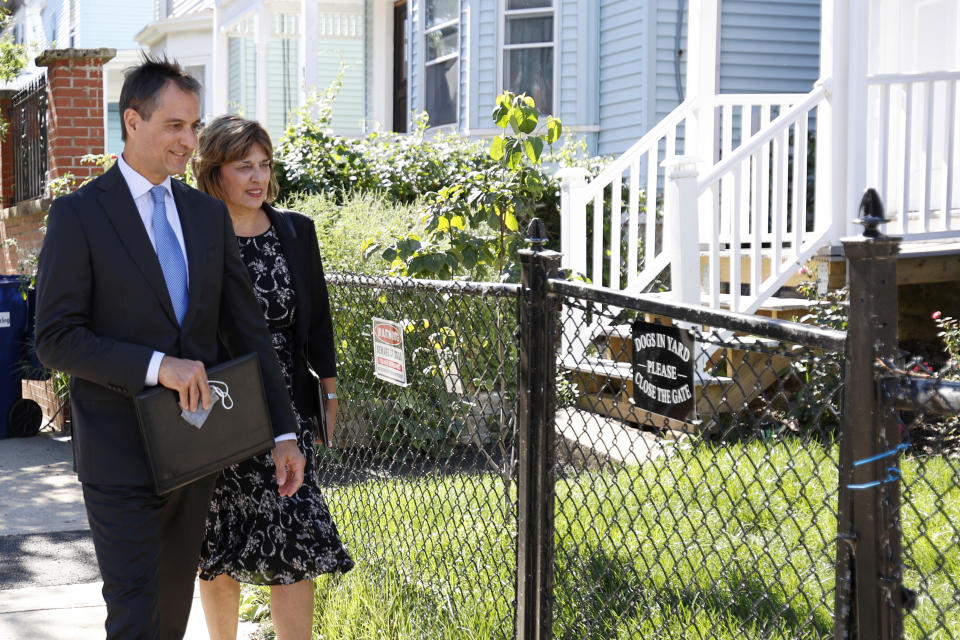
49, 582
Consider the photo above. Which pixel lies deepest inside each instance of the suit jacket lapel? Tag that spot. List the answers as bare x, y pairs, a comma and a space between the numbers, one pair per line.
196, 241
118, 204
297, 265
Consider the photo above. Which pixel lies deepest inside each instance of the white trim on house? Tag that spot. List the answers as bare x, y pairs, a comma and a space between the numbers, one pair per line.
382, 64
152, 34
424, 32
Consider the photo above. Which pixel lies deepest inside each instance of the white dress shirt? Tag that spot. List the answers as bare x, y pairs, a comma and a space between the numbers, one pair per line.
140, 190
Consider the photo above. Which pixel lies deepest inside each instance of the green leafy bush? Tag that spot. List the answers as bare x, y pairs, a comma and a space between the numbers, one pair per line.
343, 226
474, 221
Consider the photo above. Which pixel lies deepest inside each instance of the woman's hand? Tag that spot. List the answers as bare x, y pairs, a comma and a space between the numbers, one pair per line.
289, 462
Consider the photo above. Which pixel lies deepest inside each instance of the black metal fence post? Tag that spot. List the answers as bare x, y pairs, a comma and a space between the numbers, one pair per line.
538, 357
869, 598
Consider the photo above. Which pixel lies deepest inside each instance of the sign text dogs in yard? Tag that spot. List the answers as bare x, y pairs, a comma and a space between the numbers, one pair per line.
663, 370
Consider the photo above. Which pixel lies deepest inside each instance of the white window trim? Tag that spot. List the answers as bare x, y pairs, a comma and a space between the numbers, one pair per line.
502, 46
424, 32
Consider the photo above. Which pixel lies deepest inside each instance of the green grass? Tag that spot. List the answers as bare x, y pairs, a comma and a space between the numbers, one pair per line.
715, 541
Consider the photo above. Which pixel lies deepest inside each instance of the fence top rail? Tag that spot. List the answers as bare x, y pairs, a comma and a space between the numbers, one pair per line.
412, 284
794, 332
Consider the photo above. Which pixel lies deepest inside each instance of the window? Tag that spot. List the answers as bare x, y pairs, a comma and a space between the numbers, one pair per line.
442, 60
528, 50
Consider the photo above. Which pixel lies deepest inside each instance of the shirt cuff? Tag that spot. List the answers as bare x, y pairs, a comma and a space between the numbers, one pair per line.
285, 436
153, 369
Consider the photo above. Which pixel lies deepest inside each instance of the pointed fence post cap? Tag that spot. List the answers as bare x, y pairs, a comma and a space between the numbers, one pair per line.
536, 234
872, 214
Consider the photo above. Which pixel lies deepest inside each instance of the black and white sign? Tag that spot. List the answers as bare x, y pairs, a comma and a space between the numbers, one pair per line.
663, 370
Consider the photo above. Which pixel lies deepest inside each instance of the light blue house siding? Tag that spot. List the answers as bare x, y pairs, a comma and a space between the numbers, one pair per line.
622, 64
283, 60
769, 46
668, 67
111, 23
114, 143
481, 59
242, 76
765, 47
415, 60
337, 53
575, 94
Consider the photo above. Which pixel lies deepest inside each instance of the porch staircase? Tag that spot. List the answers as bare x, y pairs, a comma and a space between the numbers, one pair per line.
717, 205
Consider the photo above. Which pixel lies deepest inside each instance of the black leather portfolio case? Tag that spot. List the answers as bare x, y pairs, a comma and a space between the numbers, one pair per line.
237, 427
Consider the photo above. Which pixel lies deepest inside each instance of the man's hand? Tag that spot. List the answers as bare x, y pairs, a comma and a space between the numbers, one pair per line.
188, 378
290, 464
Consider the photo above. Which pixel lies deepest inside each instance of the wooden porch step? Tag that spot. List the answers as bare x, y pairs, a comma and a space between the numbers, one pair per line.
606, 383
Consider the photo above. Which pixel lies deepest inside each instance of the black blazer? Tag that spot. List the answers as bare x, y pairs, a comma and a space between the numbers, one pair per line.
103, 308
313, 347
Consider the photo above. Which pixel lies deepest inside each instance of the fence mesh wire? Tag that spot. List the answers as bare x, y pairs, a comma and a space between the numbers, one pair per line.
422, 477
928, 482
718, 527
720, 524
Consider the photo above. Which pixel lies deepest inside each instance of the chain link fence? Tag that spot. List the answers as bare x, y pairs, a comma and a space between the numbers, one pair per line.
564, 461
698, 502
422, 477
921, 490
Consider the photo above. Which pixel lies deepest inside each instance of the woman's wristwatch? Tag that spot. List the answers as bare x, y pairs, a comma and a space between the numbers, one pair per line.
329, 396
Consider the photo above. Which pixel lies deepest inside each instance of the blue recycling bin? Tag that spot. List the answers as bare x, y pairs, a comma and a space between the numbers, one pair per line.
13, 333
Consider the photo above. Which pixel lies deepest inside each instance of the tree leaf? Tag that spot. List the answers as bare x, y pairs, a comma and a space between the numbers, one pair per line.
554, 128
533, 147
516, 158
498, 148
528, 122
510, 221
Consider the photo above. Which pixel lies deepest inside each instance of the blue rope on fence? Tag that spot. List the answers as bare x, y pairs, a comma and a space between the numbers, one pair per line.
886, 454
893, 475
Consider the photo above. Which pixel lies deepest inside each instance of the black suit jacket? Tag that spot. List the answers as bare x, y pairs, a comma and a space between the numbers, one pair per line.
103, 308
313, 346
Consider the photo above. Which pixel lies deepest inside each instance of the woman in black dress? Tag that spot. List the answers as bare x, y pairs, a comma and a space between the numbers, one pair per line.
253, 535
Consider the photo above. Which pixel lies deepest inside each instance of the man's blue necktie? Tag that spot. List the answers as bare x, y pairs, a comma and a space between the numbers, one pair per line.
169, 253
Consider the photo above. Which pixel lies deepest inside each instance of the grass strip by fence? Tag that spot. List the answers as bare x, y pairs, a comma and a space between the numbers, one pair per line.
714, 541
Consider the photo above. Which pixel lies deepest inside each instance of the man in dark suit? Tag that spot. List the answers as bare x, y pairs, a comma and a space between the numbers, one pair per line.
140, 282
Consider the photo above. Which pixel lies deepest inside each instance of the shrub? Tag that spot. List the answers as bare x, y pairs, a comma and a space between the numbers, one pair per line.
342, 227
474, 222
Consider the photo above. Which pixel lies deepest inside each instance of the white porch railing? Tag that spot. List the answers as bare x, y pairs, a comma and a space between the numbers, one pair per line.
753, 211
913, 143
619, 196
758, 191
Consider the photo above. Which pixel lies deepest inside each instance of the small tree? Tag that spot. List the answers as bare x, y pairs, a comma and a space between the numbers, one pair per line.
473, 225
12, 58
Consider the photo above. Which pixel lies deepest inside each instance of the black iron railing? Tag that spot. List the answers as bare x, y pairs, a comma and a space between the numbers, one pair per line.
28, 134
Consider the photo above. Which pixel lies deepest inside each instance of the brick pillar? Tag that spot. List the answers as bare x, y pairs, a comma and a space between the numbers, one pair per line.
6, 151
75, 108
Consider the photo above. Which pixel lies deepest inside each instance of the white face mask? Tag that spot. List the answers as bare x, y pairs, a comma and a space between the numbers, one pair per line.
219, 391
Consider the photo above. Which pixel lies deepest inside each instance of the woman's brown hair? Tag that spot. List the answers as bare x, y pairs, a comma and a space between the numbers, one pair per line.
227, 139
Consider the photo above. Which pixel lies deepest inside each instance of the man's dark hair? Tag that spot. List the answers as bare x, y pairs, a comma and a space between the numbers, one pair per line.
142, 84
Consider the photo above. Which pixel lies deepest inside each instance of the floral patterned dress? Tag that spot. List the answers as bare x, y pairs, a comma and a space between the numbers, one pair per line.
252, 534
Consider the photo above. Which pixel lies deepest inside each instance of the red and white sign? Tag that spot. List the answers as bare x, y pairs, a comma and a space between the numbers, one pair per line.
388, 358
